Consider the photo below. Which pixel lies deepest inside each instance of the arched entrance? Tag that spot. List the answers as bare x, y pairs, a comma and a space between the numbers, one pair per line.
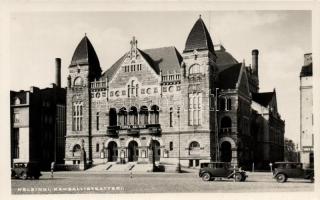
133, 151
112, 151
226, 152
156, 148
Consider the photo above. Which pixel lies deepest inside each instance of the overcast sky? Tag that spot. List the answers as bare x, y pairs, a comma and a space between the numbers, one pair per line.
282, 38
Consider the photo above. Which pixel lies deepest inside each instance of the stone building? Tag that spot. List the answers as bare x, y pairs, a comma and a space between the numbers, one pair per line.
306, 112
192, 107
38, 121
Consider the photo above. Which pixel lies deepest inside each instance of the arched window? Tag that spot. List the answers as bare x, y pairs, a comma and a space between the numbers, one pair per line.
194, 148
76, 151
226, 124
123, 116
143, 117
195, 69
78, 81
112, 117
133, 116
194, 145
154, 115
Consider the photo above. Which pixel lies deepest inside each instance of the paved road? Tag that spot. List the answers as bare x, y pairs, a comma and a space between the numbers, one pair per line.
83, 182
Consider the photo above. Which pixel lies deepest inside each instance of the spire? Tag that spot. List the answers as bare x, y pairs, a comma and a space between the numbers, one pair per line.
134, 47
199, 38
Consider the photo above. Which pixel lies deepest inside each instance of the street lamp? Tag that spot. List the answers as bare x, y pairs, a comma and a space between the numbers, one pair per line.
178, 168
216, 123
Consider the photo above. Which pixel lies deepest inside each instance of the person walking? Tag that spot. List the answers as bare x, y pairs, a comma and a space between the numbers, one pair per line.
52, 168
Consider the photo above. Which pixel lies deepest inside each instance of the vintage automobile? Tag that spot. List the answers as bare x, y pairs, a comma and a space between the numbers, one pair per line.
284, 170
25, 170
212, 170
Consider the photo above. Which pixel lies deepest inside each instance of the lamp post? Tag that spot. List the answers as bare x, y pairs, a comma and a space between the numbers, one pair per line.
216, 123
178, 168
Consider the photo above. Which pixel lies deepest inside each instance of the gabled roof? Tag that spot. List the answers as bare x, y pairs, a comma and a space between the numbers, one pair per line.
199, 38
263, 98
85, 54
306, 70
165, 59
229, 76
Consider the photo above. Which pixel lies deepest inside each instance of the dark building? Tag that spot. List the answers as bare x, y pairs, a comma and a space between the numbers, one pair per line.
38, 123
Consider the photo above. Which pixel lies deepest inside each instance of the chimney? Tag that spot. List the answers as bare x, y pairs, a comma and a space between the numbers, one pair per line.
255, 55
58, 72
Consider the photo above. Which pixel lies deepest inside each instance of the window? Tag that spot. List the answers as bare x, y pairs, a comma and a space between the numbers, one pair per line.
76, 151
229, 104
98, 121
171, 88
111, 94
171, 146
155, 90
133, 89
164, 89
122, 116
97, 147
195, 69
17, 101
194, 146
170, 117
78, 81
15, 143
143, 117
77, 116
226, 124
195, 113
133, 116
222, 104
154, 115
178, 88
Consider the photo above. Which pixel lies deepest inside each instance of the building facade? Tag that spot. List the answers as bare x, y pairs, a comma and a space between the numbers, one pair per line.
192, 107
38, 121
306, 113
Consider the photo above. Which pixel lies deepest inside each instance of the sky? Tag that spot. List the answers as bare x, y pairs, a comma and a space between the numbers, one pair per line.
282, 38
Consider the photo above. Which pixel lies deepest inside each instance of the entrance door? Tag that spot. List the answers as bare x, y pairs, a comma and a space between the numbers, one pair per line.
226, 153
157, 151
133, 151
112, 151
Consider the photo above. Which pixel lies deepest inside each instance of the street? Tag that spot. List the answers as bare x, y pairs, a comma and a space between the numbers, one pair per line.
84, 182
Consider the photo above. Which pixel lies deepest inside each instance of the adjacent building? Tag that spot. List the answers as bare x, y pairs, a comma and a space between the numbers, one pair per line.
195, 106
38, 123
306, 113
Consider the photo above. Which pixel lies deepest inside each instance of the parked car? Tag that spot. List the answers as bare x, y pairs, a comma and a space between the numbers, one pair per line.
284, 170
211, 170
25, 170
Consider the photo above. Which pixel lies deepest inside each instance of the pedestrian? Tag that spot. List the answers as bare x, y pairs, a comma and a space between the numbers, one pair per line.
52, 168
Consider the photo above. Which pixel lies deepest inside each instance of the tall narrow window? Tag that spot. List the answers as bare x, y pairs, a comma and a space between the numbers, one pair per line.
77, 116
154, 115
170, 117
195, 112
228, 104
97, 147
98, 121
171, 146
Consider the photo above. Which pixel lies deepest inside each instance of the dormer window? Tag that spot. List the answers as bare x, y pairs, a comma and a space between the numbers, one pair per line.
196, 69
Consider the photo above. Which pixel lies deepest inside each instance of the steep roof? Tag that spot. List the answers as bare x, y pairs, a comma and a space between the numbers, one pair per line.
229, 76
165, 59
199, 38
85, 54
263, 98
306, 70
225, 58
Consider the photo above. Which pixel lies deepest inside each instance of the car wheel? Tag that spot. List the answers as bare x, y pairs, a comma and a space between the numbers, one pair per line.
238, 177
24, 176
243, 178
281, 178
206, 176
